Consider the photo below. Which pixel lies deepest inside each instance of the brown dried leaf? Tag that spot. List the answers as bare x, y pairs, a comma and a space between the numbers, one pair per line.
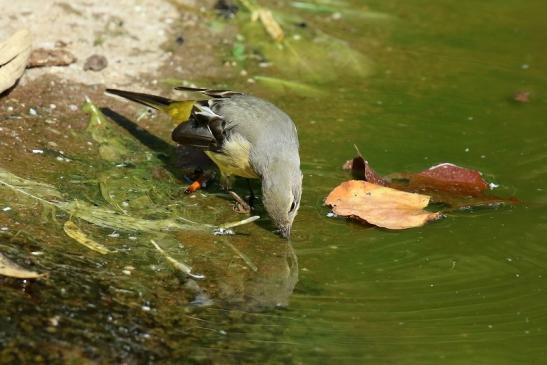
451, 178
380, 206
361, 170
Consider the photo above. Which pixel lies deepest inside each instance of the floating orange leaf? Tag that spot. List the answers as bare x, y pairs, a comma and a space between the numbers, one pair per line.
380, 206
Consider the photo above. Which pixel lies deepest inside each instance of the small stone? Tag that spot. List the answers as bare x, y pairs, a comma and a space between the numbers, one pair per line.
54, 321
32, 112
95, 63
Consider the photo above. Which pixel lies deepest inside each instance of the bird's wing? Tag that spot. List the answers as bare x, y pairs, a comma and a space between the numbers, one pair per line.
210, 92
204, 129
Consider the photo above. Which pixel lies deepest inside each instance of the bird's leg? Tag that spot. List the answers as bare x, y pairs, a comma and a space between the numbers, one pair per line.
240, 205
226, 182
252, 196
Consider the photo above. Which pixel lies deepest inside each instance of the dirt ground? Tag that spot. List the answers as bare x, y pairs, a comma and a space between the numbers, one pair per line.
148, 44
137, 37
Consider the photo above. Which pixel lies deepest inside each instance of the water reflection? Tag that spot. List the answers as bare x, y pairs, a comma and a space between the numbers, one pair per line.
253, 278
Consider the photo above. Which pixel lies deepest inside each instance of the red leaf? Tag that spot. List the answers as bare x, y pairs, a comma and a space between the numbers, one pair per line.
451, 178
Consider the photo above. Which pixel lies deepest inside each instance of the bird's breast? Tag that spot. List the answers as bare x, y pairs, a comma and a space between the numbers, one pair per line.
234, 157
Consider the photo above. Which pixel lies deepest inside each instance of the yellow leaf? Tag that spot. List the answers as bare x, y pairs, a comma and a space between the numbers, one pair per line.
75, 233
380, 206
270, 24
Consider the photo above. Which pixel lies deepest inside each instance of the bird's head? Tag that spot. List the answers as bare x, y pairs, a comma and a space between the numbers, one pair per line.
281, 192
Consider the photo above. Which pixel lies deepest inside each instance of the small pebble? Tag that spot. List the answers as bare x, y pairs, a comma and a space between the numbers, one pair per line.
33, 112
6, 209
54, 321
38, 151
95, 63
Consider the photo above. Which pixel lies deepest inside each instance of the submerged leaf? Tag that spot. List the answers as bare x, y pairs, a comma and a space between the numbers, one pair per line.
11, 269
289, 86
339, 7
75, 233
33, 189
177, 264
107, 218
270, 24
111, 146
380, 206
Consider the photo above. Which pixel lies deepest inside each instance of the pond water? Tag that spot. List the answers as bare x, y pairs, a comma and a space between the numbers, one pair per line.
469, 289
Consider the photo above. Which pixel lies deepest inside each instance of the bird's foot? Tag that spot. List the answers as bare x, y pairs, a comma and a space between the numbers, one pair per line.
240, 206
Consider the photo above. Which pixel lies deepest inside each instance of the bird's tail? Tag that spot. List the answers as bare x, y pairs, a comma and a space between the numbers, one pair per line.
178, 110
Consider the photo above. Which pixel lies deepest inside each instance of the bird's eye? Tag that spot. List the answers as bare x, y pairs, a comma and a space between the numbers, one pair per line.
293, 205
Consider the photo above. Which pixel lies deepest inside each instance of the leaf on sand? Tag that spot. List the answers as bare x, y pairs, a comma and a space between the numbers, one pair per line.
75, 233
14, 54
380, 206
11, 269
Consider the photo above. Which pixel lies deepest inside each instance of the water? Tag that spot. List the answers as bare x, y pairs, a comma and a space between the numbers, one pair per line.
470, 289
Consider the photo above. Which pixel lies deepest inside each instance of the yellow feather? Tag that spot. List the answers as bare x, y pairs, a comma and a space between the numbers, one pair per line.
180, 110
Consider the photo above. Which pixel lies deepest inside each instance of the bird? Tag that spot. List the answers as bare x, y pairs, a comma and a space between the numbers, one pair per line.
244, 136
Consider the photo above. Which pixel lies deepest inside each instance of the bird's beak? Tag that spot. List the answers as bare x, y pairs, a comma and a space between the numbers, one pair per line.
285, 232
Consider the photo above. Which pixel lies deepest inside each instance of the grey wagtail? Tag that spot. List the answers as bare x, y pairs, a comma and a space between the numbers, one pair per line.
244, 136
